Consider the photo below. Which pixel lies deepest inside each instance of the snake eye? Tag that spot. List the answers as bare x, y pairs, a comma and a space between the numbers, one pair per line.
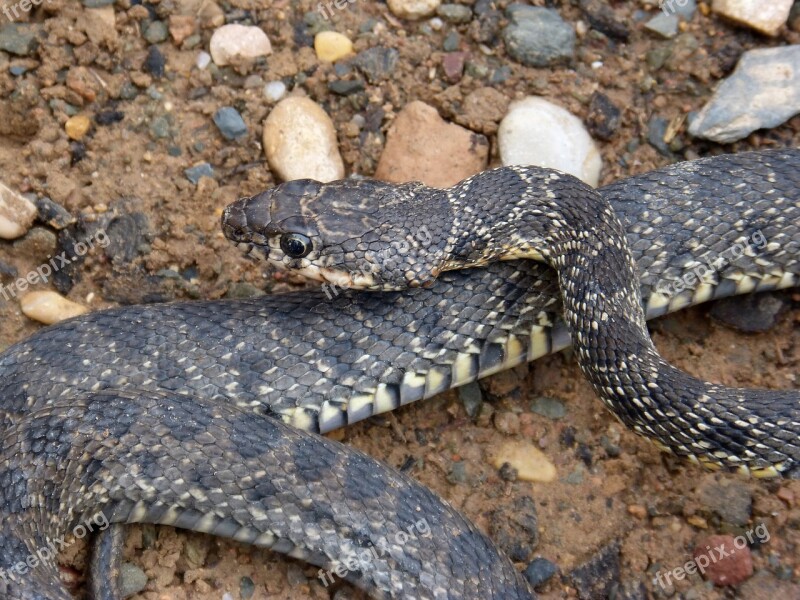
295, 245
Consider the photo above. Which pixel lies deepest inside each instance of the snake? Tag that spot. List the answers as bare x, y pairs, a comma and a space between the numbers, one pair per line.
203, 415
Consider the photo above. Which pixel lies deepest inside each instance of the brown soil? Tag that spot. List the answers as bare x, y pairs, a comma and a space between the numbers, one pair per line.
644, 499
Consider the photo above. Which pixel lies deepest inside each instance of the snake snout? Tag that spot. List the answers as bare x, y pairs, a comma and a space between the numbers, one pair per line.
234, 222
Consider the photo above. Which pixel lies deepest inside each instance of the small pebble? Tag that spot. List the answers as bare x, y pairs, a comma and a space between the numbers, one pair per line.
538, 37
455, 13
274, 91
563, 142
18, 39
300, 141
230, 123
331, 46
156, 32
663, 25
530, 462
132, 580
50, 307
181, 27
203, 60
247, 588
413, 9
194, 173
471, 397
551, 408
728, 560
764, 17
16, 214
155, 63
763, 92
234, 43
539, 571
345, 87
77, 126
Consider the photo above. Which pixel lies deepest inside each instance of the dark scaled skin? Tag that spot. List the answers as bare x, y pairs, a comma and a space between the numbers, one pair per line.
300, 356
534, 213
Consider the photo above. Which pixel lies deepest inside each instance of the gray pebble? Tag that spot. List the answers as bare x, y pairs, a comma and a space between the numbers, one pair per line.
451, 42
376, 63
230, 123
156, 32
548, 407
194, 174
656, 131
538, 37
18, 39
472, 398
132, 580
664, 25
731, 500
247, 588
346, 87
454, 13
539, 571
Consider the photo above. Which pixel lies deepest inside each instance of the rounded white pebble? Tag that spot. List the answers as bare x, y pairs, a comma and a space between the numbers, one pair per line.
274, 91
49, 307
436, 24
16, 214
300, 141
203, 60
413, 9
234, 42
538, 132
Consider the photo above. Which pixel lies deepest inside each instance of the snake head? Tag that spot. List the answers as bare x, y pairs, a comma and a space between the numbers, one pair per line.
361, 234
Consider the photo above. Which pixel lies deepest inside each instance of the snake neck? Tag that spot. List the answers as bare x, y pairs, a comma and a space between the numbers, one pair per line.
554, 218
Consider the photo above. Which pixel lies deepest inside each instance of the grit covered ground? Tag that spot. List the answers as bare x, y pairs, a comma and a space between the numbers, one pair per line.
613, 489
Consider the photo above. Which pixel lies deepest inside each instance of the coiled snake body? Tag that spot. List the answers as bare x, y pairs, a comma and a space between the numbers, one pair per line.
149, 413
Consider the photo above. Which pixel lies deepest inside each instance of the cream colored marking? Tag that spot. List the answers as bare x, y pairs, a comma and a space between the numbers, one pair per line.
413, 380
515, 350
329, 411
434, 382
384, 401
300, 419
657, 301
462, 369
138, 512
358, 402
206, 523
537, 343
703, 293
245, 534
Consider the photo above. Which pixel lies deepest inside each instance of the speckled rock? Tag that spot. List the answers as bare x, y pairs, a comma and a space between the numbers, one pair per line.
49, 307
132, 579
421, 146
331, 46
16, 214
562, 141
724, 559
413, 9
538, 37
235, 43
764, 17
300, 141
763, 92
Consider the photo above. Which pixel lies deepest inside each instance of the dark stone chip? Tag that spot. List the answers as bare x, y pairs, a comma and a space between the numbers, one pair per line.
599, 575
752, 313
604, 117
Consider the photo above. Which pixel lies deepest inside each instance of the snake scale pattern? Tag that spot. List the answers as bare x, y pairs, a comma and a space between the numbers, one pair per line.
181, 413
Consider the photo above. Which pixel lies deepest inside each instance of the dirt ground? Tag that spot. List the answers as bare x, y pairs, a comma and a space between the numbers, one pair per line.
612, 487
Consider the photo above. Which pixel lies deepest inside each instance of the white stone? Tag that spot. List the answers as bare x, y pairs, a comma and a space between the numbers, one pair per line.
413, 9
300, 141
49, 307
16, 214
203, 60
538, 132
763, 92
274, 91
765, 16
233, 43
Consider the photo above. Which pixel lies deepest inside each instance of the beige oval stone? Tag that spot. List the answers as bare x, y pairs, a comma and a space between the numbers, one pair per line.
300, 141
49, 307
331, 46
531, 463
234, 43
16, 214
413, 9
